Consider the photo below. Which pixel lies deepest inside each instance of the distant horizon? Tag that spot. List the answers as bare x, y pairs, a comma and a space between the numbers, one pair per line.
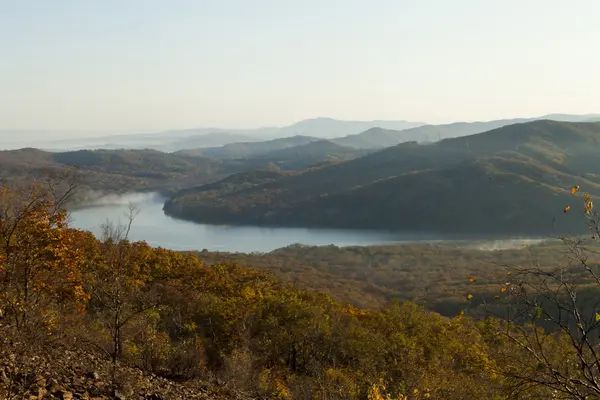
129, 132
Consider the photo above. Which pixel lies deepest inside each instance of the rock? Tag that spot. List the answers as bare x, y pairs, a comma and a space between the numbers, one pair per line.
64, 372
40, 380
120, 395
66, 395
77, 383
41, 392
54, 388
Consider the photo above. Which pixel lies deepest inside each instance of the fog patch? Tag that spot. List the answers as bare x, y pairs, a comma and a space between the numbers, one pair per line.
506, 244
93, 198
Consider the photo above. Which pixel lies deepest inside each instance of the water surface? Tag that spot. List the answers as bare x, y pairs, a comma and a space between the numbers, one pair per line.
158, 229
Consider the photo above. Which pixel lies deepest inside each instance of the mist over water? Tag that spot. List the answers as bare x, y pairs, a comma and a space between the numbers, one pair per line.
97, 198
507, 244
156, 228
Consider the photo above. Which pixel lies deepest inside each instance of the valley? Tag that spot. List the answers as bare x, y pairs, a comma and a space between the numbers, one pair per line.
510, 181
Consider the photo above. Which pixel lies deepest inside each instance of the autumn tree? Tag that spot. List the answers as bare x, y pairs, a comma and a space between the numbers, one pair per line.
39, 255
117, 286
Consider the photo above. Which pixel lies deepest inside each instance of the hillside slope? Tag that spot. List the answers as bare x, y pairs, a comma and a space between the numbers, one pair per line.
249, 149
68, 372
299, 157
513, 179
111, 170
374, 138
127, 170
379, 138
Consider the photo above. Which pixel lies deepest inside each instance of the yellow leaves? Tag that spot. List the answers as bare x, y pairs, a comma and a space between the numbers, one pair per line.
273, 386
248, 293
469, 297
589, 205
377, 391
574, 189
190, 327
503, 289
281, 391
597, 316
342, 383
50, 318
263, 379
354, 311
131, 349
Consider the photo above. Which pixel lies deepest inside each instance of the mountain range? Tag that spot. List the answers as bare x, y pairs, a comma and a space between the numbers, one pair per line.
514, 179
127, 170
358, 134
174, 140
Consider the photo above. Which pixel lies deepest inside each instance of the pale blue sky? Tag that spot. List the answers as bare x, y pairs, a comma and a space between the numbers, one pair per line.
160, 64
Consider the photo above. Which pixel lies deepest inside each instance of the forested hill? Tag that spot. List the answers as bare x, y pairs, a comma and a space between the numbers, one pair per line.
514, 179
152, 170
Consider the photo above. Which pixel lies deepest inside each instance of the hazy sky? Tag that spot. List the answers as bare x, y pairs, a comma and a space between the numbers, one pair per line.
160, 64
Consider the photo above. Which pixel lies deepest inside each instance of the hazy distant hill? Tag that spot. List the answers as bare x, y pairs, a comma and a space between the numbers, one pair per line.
249, 149
318, 152
572, 117
133, 162
372, 139
174, 140
329, 128
213, 139
378, 134
513, 179
147, 169
433, 133
111, 171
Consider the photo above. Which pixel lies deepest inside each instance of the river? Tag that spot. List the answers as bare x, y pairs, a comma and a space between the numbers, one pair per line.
160, 230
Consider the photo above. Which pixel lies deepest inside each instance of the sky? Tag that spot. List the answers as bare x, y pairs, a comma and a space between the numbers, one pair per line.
150, 65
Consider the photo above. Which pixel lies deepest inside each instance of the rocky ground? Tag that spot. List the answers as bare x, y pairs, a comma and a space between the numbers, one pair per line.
58, 372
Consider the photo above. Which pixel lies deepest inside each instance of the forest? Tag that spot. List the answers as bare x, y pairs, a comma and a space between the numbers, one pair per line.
151, 320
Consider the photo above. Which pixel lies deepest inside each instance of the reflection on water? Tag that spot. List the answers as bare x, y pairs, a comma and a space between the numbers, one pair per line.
153, 226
